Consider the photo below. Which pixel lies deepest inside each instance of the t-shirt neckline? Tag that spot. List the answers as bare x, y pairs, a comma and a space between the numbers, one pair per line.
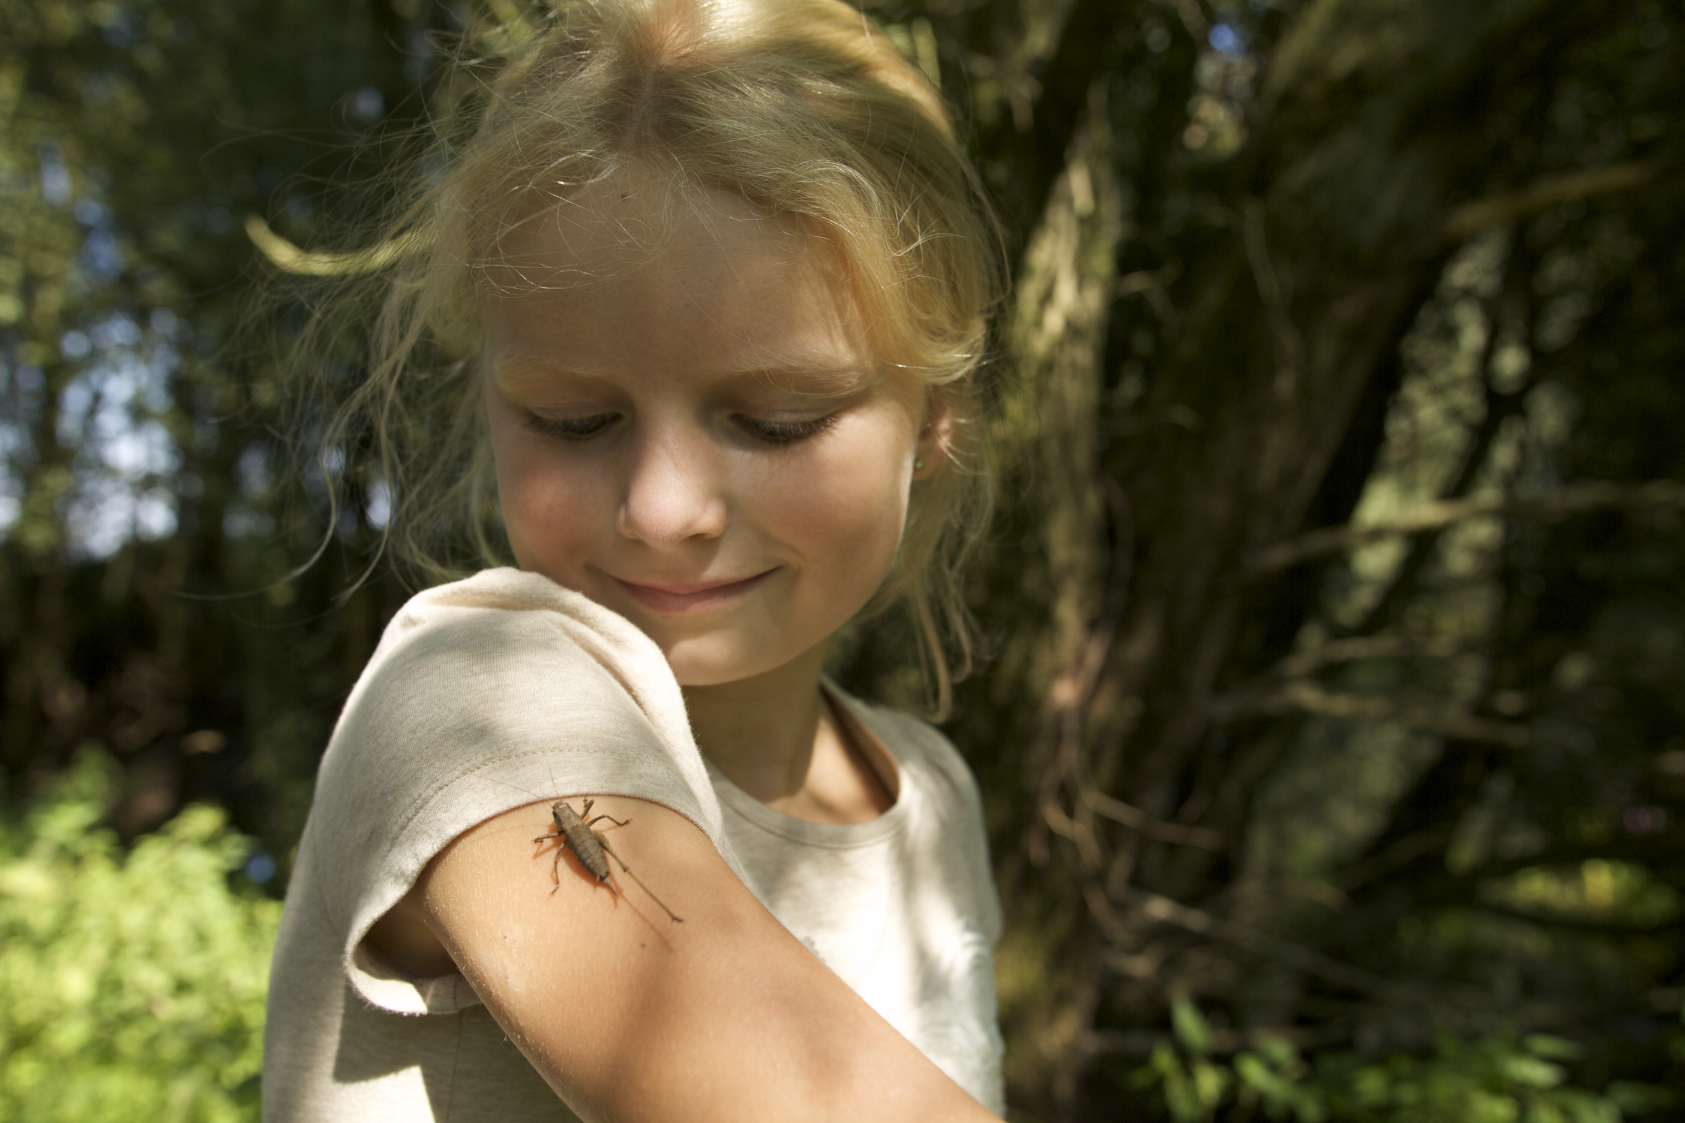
832, 835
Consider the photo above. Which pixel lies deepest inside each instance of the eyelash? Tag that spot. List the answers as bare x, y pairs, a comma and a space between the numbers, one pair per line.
570, 428
785, 432
770, 432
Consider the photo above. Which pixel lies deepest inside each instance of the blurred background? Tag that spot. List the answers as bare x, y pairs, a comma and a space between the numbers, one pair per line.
1333, 739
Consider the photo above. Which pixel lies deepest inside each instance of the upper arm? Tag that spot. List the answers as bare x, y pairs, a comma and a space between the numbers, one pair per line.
630, 1016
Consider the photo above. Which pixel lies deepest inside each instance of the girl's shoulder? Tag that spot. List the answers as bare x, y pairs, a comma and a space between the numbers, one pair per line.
508, 675
491, 650
477, 659
483, 696
497, 603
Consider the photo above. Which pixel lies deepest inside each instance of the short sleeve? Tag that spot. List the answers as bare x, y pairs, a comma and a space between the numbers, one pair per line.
483, 696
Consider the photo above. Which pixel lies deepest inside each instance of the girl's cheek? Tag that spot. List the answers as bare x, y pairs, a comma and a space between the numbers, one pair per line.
844, 485
856, 515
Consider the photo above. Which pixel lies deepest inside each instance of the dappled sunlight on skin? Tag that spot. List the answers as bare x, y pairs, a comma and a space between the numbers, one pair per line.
729, 964
699, 420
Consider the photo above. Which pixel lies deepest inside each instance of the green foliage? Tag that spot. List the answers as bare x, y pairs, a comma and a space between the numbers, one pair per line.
132, 983
1495, 1079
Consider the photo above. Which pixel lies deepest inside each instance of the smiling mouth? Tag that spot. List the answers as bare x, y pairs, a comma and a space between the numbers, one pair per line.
681, 599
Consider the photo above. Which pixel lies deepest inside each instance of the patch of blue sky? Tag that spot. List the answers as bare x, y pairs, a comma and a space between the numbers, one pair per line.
378, 508
252, 470
57, 187
367, 104
102, 254
112, 413
21, 391
1227, 39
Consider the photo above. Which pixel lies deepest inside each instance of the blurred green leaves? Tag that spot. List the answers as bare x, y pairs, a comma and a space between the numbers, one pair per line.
132, 981
1496, 1079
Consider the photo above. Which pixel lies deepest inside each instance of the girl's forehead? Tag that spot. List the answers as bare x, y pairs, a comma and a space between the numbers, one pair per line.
624, 226
621, 278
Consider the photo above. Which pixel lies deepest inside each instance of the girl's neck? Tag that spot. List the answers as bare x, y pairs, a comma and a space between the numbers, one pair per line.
774, 736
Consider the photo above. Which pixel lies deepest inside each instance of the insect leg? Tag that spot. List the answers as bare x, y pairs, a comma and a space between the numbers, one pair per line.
560, 833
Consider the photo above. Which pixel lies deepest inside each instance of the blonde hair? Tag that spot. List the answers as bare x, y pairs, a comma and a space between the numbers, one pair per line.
802, 107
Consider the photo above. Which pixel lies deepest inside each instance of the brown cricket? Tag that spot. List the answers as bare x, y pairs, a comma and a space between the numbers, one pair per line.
574, 830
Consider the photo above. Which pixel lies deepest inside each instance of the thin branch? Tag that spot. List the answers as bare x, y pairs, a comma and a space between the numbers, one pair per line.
1399, 854
1306, 696
1542, 195
1193, 18
1290, 345
1073, 831
1363, 647
1137, 820
1198, 921
1578, 498
1151, 284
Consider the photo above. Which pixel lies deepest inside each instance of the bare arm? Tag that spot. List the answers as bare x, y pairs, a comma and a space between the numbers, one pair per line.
629, 1016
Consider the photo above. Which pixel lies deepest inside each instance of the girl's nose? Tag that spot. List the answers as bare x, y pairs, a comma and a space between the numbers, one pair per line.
671, 491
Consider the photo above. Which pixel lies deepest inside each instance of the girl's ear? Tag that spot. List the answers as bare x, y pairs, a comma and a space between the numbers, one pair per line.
936, 438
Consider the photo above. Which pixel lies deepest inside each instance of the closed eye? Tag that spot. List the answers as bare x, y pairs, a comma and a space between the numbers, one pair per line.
783, 432
571, 428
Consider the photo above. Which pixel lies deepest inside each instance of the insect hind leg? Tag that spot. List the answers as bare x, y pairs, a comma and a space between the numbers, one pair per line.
585, 815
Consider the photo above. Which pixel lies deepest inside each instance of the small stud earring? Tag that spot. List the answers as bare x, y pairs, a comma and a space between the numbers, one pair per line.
918, 465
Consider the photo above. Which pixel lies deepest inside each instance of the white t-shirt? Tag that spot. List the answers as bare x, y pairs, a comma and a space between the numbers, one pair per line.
494, 692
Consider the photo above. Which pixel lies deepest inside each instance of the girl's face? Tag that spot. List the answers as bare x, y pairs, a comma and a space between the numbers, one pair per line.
696, 436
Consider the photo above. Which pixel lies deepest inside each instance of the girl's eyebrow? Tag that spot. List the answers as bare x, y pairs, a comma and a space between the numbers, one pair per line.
838, 380
795, 374
515, 372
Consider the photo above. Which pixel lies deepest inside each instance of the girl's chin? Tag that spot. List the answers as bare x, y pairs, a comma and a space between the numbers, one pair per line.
692, 671
701, 663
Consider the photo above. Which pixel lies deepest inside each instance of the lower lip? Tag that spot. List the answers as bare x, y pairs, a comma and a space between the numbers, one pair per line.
670, 602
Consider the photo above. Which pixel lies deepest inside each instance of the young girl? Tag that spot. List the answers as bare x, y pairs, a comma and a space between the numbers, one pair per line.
707, 285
